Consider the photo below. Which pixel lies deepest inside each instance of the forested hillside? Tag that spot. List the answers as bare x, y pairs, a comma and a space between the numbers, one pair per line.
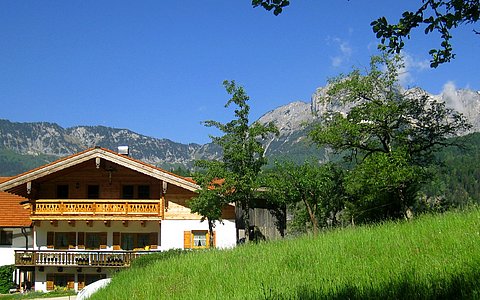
457, 175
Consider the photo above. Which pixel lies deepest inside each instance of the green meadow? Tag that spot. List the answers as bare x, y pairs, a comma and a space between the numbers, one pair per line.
431, 257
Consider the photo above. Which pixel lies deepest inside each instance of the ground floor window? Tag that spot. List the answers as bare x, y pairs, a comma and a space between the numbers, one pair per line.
197, 239
60, 280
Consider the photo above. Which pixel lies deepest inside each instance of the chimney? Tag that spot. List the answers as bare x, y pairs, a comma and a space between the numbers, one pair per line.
123, 150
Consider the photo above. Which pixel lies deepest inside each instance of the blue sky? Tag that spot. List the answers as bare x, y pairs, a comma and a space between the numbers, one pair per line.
156, 67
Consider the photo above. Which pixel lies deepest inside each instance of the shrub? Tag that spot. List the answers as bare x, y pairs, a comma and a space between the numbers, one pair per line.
6, 276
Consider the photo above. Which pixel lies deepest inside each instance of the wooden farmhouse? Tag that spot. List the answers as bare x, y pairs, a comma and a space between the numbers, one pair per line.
84, 217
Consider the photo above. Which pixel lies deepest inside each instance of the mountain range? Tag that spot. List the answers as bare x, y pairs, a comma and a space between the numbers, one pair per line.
27, 145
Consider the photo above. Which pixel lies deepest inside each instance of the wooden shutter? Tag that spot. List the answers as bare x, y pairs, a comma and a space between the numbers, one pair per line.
187, 240
81, 240
153, 239
70, 281
81, 281
72, 236
103, 240
116, 241
50, 285
50, 240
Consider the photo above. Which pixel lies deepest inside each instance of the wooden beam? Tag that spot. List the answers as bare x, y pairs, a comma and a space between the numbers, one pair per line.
54, 223
125, 223
89, 223
106, 223
71, 223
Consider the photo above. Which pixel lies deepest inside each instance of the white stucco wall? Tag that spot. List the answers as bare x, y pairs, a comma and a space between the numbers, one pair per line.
7, 253
172, 232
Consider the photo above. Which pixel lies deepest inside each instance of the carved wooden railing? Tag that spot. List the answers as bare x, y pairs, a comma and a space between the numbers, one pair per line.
76, 258
92, 207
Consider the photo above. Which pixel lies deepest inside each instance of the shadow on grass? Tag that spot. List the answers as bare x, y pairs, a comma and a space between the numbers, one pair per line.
460, 286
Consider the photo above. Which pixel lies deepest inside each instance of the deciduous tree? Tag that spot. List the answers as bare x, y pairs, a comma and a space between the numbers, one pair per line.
389, 133
317, 187
243, 157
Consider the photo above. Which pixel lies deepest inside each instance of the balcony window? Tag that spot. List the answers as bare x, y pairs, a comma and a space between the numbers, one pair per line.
143, 192
93, 240
62, 191
93, 192
135, 240
128, 241
127, 192
61, 240
6, 237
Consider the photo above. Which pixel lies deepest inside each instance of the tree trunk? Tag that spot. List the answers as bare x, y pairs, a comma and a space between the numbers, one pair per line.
211, 225
312, 216
246, 221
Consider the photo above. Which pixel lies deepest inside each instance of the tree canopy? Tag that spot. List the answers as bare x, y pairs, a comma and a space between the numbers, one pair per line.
433, 15
389, 135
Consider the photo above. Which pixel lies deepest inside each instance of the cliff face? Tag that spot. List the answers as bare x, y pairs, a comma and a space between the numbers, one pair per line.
293, 120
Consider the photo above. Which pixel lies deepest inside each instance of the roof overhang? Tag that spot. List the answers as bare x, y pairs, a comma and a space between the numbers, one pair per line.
101, 153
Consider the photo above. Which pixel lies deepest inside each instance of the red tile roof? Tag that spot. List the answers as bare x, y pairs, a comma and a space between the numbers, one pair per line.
12, 213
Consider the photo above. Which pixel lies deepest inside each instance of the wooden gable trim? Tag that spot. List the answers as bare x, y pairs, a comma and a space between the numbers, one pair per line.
101, 153
149, 170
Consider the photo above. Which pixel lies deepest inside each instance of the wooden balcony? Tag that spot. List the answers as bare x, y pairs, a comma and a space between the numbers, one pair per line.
71, 209
40, 258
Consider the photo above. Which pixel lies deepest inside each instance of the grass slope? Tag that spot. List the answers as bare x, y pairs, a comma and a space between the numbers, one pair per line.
429, 258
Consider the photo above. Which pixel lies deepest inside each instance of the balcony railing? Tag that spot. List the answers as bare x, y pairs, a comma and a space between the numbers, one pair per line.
76, 258
97, 207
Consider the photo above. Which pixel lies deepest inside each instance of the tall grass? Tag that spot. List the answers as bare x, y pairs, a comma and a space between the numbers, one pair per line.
429, 258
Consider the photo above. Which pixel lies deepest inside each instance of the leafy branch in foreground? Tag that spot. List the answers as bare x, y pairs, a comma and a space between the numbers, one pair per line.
435, 15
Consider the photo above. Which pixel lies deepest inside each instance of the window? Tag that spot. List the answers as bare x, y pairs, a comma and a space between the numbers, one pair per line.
143, 192
128, 241
135, 241
93, 192
143, 240
127, 192
6, 237
196, 239
62, 191
199, 238
61, 240
92, 240
60, 280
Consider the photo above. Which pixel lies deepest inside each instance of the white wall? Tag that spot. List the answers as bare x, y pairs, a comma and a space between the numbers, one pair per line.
7, 253
172, 232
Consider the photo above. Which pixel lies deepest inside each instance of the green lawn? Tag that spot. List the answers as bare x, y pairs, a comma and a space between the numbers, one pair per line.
432, 257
